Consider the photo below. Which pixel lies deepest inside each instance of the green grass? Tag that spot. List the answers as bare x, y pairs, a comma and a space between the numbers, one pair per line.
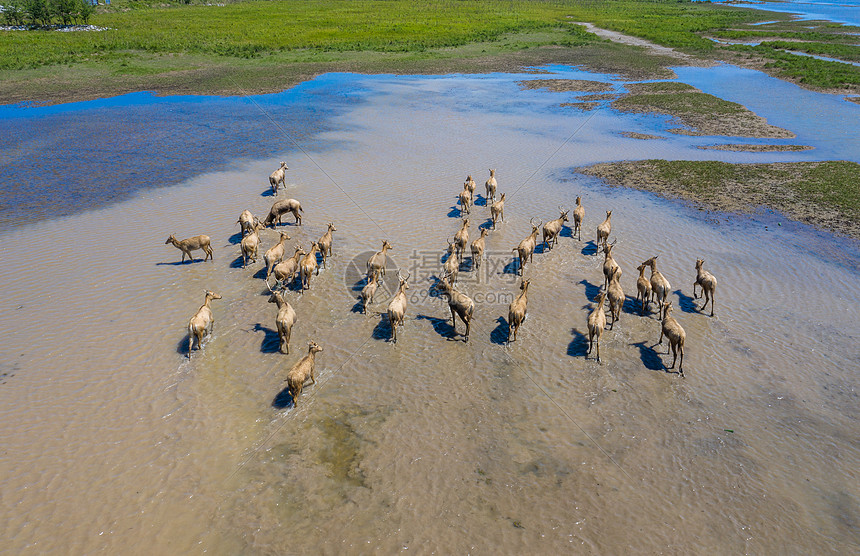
675, 98
255, 28
834, 184
242, 32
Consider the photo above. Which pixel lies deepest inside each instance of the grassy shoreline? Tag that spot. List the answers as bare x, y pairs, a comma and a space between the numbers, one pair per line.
255, 46
823, 194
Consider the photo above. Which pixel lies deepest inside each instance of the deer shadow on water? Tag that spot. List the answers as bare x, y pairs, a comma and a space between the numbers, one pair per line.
271, 341
261, 273
630, 305
441, 326
295, 285
513, 267
591, 290
480, 200
237, 262
650, 357
566, 231
590, 248
499, 335
236, 238
182, 346
283, 399
382, 330
457, 212
180, 263
686, 303
578, 346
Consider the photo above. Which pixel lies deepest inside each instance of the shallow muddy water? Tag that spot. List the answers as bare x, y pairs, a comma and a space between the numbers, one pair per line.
113, 441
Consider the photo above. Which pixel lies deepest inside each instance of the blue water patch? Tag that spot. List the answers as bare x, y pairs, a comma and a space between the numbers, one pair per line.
63, 159
822, 120
846, 12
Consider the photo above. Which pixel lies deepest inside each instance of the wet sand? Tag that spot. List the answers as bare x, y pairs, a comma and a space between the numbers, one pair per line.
115, 442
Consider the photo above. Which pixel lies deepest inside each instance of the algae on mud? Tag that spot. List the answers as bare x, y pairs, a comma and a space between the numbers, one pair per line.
823, 194
705, 114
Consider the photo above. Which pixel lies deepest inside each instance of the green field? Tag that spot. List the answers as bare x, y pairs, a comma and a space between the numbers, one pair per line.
148, 39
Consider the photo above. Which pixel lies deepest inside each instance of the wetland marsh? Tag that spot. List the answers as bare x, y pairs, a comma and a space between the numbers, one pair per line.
113, 439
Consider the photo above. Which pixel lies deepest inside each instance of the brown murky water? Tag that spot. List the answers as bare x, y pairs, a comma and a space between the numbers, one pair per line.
114, 442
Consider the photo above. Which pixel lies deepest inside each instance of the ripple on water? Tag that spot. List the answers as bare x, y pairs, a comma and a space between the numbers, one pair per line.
431, 442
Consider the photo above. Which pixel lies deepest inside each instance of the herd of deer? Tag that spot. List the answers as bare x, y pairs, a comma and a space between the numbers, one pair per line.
304, 264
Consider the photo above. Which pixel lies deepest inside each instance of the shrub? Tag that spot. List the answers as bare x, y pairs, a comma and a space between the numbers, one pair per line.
13, 12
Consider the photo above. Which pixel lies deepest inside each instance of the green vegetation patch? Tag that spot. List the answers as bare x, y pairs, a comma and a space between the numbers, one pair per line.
240, 37
824, 194
702, 113
567, 85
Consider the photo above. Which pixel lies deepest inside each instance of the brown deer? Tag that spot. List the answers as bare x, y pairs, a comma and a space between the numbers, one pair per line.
192, 244
643, 288
526, 248
517, 311
604, 229
615, 295
552, 229
275, 254
460, 304
250, 243
308, 266
325, 243
280, 208
278, 177
596, 324
461, 238
302, 371
497, 210
609, 264
676, 335
286, 270
490, 186
246, 221
202, 323
478, 247
397, 307
470, 185
285, 320
578, 215
465, 200
659, 285
707, 282
369, 290
376, 263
